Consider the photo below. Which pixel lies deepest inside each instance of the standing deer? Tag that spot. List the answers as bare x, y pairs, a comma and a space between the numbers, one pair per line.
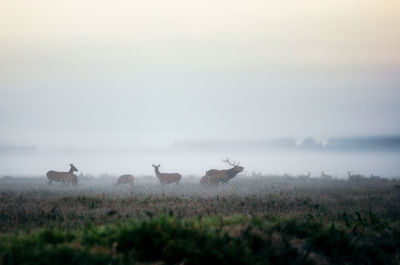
167, 178
125, 179
216, 177
64, 177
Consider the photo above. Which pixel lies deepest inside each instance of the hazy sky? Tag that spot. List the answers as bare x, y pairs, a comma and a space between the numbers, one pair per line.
128, 73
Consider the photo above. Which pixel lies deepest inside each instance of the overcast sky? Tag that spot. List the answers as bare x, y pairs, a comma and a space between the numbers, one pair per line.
138, 73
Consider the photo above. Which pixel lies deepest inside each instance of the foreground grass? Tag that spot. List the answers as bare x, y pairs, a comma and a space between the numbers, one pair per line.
249, 221
31, 204
349, 239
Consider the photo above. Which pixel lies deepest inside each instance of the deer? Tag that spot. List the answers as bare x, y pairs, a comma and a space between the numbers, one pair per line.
217, 177
304, 176
325, 176
64, 177
167, 178
372, 176
125, 179
355, 176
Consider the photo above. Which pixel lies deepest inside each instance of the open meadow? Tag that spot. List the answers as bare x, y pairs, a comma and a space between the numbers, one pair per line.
250, 220
115, 115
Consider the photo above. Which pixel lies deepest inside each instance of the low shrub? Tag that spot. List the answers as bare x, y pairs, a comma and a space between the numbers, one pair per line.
232, 240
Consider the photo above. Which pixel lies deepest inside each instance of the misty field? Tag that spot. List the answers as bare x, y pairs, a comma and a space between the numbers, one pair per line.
250, 220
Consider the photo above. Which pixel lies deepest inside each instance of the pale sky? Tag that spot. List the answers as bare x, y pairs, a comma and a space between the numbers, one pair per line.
129, 73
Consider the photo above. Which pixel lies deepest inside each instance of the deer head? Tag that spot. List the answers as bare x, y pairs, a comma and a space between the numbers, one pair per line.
73, 168
235, 165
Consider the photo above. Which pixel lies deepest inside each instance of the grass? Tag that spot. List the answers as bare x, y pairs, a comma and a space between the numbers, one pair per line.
234, 240
270, 220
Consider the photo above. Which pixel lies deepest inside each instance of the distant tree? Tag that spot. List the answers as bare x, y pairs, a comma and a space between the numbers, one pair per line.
310, 144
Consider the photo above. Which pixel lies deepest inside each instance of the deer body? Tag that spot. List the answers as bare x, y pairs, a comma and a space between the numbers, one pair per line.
125, 179
167, 178
216, 177
64, 177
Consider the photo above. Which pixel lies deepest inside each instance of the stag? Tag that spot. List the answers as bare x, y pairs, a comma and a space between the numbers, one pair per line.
217, 177
125, 179
63, 177
167, 178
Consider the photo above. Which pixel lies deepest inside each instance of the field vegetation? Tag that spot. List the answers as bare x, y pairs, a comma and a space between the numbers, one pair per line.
250, 220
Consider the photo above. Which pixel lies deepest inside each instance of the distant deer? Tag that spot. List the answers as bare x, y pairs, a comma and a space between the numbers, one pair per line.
167, 178
216, 177
325, 176
64, 177
256, 174
355, 176
372, 176
125, 179
305, 176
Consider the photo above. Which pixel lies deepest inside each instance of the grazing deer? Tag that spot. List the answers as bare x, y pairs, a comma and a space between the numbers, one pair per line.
167, 178
125, 179
216, 177
64, 177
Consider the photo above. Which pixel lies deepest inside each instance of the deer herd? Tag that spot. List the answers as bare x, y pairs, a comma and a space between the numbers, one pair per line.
212, 176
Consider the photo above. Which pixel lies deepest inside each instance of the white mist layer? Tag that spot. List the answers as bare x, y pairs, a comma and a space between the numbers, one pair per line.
186, 163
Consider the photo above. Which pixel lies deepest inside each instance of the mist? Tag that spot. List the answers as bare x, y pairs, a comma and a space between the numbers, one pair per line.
191, 132
114, 88
194, 164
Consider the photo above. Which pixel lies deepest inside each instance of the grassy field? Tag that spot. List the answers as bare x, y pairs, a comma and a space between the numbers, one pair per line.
251, 220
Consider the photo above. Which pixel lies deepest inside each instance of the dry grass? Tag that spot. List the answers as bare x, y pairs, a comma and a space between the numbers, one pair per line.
28, 203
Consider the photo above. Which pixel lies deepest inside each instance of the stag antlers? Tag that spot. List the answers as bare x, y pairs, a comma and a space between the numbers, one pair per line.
216, 177
234, 164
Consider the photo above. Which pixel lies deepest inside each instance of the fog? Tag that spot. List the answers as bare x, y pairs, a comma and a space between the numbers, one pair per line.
115, 87
189, 164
